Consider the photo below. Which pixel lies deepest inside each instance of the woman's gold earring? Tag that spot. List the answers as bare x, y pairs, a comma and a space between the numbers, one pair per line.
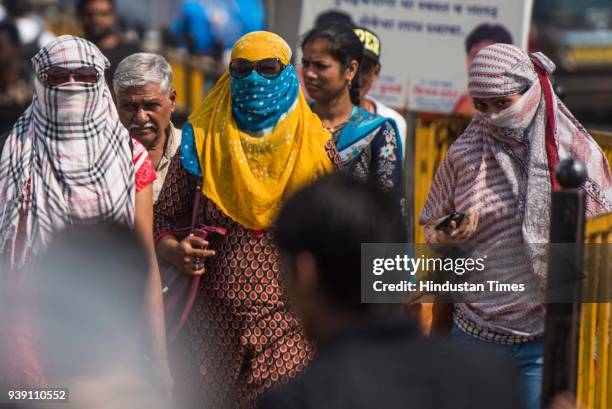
350, 83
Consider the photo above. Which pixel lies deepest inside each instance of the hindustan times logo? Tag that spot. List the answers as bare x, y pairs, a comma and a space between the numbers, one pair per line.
458, 266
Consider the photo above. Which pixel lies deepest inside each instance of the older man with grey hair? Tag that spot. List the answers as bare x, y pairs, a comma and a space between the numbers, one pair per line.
145, 101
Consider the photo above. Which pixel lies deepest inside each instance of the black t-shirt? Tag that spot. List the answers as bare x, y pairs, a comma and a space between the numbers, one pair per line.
389, 365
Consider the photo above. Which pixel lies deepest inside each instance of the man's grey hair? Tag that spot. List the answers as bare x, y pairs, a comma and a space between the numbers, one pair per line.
140, 69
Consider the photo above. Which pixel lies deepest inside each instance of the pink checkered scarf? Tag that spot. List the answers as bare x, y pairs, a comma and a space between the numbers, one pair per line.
68, 158
505, 175
503, 69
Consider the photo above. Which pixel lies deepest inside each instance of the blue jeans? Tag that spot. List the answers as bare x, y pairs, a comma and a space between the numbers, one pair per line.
528, 357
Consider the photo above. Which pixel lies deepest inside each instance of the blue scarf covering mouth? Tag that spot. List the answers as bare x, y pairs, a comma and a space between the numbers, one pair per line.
258, 103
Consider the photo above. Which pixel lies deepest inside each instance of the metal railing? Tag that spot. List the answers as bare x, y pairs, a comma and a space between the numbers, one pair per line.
431, 142
604, 139
594, 352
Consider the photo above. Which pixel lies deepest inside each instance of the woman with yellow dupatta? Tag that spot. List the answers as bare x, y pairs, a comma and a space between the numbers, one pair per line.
251, 144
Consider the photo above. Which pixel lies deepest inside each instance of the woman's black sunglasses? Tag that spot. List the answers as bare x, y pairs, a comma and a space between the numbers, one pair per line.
268, 68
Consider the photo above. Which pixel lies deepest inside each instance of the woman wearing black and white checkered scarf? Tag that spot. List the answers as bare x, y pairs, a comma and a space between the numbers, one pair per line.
69, 160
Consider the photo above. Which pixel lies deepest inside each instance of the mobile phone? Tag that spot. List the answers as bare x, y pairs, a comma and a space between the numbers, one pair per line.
456, 217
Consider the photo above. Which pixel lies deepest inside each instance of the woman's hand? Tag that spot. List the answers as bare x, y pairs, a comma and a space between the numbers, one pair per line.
188, 255
455, 233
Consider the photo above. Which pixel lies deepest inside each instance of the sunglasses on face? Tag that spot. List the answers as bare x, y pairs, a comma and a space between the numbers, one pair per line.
268, 68
59, 75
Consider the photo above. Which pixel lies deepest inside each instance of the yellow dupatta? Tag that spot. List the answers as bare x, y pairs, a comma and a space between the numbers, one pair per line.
248, 177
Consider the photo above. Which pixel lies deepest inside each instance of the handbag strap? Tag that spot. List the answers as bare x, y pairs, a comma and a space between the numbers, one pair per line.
200, 230
196, 204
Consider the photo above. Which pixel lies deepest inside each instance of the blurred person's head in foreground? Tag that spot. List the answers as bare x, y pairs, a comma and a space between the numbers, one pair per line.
319, 232
98, 18
90, 286
145, 97
367, 355
89, 289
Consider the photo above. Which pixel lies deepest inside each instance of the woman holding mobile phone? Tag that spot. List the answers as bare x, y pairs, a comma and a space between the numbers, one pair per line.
500, 174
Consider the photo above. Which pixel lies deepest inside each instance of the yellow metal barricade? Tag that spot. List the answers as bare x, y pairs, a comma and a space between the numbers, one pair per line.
604, 139
432, 140
196, 88
179, 83
595, 355
192, 75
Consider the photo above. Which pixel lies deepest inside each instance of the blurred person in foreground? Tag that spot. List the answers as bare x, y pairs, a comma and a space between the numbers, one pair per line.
368, 356
500, 174
90, 315
369, 145
69, 161
15, 79
479, 38
369, 71
145, 102
252, 143
99, 20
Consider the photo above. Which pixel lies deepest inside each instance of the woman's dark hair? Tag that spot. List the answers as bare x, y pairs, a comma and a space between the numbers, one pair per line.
345, 47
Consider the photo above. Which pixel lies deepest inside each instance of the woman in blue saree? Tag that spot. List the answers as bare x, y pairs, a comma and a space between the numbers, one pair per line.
368, 144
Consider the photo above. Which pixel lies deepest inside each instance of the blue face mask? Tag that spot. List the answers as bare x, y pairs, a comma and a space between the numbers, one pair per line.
259, 102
